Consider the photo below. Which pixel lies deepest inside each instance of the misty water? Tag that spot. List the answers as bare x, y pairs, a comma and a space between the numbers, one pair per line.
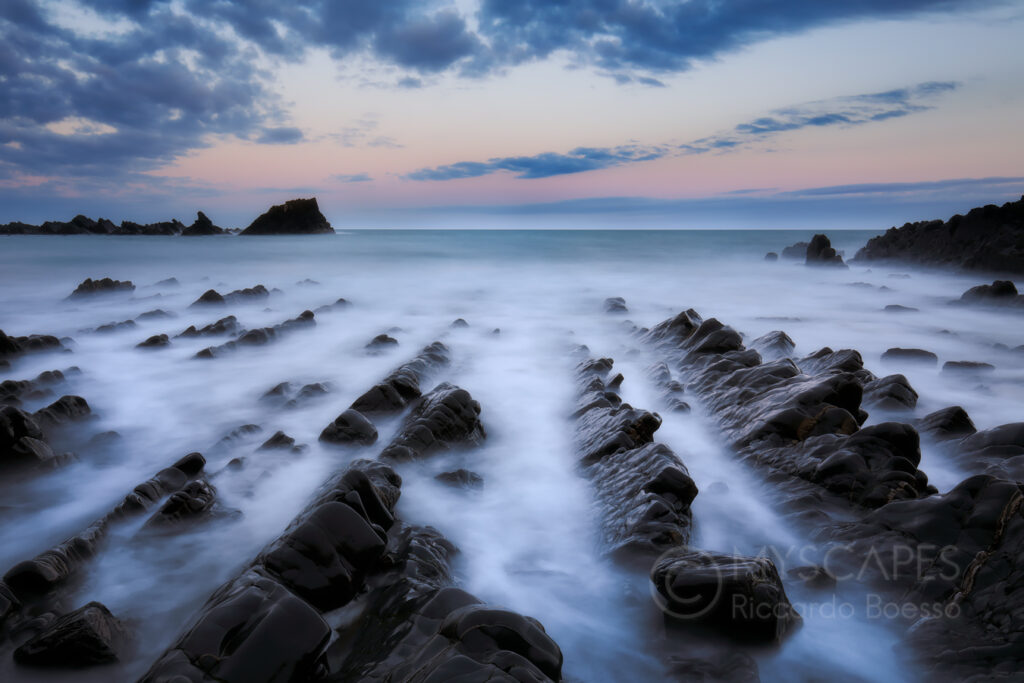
530, 539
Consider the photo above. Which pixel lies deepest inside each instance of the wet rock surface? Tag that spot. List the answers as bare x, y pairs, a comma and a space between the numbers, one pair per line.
88, 636
402, 385
443, 419
259, 336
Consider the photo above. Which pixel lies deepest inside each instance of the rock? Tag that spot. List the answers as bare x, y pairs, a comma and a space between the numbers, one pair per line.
986, 239
796, 251
202, 226
228, 325
741, 597
90, 287
63, 410
15, 346
771, 256
774, 345
892, 393
444, 418
615, 304
337, 305
154, 342
461, 478
897, 308
294, 217
114, 327
965, 367
191, 503
910, 355
458, 323
946, 424
279, 441
813, 576
210, 297
88, 636
402, 385
351, 427
259, 292
999, 293
169, 282
999, 443
155, 314
820, 252
381, 341
307, 283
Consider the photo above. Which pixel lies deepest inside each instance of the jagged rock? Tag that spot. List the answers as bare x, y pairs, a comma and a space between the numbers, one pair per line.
169, 282
337, 305
774, 345
210, 297
351, 427
228, 325
820, 252
63, 410
279, 441
155, 314
402, 385
189, 504
461, 478
444, 418
88, 636
294, 217
987, 239
910, 355
242, 295
741, 597
458, 323
114, 327
154, 342
202, 226
90, 287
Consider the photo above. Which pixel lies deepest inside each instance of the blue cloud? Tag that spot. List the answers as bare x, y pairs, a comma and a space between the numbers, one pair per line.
282, 135
353, 177
840, 111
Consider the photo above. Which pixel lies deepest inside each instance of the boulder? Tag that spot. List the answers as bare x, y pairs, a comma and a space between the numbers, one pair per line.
380, 342
946, 424
350, 428
615, 304
897, 354
820, 252
228, 325
88, 636
444, 418
740, 597
210, 297
966, 367
202, 226
461, 478
796, 251
155, 342
771, 256
294, 217
90, 287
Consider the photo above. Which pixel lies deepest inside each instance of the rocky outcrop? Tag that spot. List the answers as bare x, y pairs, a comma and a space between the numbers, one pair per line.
443, 419
615, 304
14, 392
999, 293
821, 253
90, 287
212, 297
202, 226
796, 251
11, 347
801, 418
643, 488
260, 336
23, 444
989, 238
228, 325
294, 217
88, 636
402, 385
350, 428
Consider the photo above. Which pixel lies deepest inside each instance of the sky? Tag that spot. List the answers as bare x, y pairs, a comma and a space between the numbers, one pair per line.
512, 114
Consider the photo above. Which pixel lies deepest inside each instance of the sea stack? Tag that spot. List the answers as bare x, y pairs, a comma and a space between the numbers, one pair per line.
294, 217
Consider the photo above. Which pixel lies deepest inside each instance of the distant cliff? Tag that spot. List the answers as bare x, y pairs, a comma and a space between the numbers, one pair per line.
988, 238
294, 217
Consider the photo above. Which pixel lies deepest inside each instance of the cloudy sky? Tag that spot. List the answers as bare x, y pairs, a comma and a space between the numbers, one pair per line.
512, 113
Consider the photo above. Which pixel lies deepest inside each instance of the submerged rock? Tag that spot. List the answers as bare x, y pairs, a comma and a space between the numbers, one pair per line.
90, 287
402, 385
461, 478
294, 217
910, 355
615, 304
351, 427
444, 418
155, 342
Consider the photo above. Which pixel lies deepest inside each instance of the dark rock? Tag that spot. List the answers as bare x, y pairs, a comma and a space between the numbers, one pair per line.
278, 392
156, 341
813, 576
402, 385
90, 287
946, 424
892, 393
351, 427
210, 297
307, 283
294, 217
381, 341
774, 345
1000, 291
965, 367
155, 314
169, 282
63, 410
986, 239
115, 326
910, 355
461, 478
202, 226
771, 256
228, 325
615, 304
820, 252
249, 293
796, 251
999, 443
741, 597
88, 636
444, 418
191, 503
279, 441
897, 308
458, 323
337, 305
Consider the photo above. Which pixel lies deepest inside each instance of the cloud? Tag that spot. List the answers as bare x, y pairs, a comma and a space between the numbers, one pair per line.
956, 185
353, 177
282, 135
852, 110
543, 165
